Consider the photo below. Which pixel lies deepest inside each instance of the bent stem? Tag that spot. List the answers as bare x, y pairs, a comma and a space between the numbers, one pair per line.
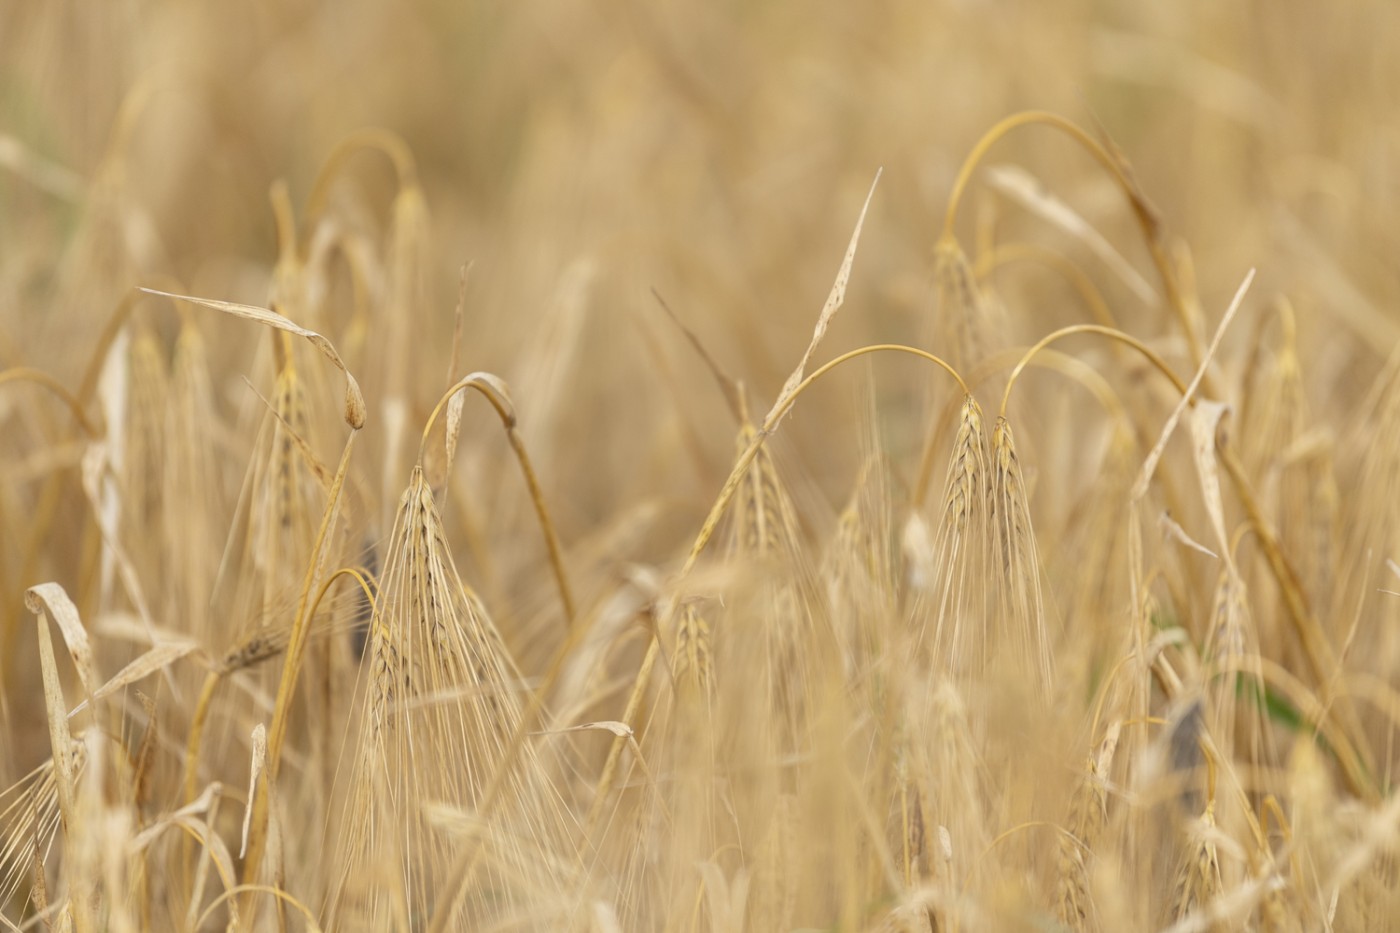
43, 379
1147, 352
1145, 214
282, 897
1066, 365
494, 391
371, 138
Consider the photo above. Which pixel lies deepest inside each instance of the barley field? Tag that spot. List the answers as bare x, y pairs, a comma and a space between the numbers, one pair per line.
732, 467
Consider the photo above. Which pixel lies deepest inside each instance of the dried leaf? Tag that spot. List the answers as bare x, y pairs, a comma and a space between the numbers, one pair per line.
53, 599
1025, 189
495, 390
259, 760
148, 663
1149, 466
619, 729
833, 304
354, 400
218, 852
1175, 532
1205, 418
454, 423
196, 807
59, 737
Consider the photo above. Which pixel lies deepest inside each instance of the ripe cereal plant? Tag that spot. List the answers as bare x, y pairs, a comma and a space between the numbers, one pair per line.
1070, 606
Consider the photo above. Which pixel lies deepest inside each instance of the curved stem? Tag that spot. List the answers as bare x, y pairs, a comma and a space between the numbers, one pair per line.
1151, 355
1063, 363
374, 138
257, 889
778, 412
353, 573
490, 387
1003, 128
41, 378
1143, 212
494, 391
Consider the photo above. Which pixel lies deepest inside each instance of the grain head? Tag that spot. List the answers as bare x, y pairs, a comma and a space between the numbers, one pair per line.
443, 703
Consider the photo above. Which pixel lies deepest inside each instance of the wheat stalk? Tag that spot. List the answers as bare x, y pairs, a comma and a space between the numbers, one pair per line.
691, 665
1021, 603
1088, 816
960, 552
442, 708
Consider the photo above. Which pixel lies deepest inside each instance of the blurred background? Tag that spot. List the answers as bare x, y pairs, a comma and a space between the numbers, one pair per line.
580, 154
585, 160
